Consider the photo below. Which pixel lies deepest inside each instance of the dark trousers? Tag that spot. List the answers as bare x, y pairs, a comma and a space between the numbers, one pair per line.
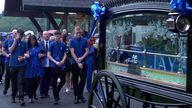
57, 73
2, 70
79, 73
45, 81
17, 81
32, 85
7, 77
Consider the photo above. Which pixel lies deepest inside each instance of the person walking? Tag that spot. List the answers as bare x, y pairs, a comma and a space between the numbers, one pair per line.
34, 68
45, 80
2, 62
7, 54
67, 65
17, 49
57, 55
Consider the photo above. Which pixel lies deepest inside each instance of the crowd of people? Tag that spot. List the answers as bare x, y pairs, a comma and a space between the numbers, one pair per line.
51, 60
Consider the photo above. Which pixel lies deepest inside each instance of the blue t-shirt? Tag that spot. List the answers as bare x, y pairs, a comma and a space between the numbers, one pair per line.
57, 50
6, 47
79, 46
20, 49
34, 67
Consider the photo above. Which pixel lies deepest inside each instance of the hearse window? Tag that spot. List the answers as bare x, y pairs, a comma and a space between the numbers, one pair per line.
140, 44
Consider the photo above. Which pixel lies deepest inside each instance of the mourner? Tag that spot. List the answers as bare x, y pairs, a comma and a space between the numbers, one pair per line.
7, 55
45, 80
79, 51
57, 55
34, 69
17, 48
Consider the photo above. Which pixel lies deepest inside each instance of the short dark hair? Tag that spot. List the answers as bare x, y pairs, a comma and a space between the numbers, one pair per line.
21, 32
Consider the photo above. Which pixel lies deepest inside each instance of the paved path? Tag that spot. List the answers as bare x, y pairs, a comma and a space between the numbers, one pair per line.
65, 102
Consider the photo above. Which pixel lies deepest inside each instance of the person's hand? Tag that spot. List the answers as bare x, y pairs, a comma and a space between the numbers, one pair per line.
80, 59
41, 55
26, 55
59, 64
8, 55
21, 58
80, 65
77, 61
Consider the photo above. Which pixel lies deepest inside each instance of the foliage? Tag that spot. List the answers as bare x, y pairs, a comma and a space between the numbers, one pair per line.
159, 44
9, 23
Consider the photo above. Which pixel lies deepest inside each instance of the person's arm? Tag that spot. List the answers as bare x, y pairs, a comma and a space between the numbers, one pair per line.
80, 59
4, 53
72, 51
12, 47
64, 58
42, 51
26, 55
74, 55
84, 55
49, 54
5, 45
51, 58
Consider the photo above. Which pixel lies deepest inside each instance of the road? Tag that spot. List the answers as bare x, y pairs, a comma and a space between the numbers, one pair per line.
66, 101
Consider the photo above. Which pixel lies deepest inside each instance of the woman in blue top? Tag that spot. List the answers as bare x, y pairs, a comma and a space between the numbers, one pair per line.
90, 62
34, 69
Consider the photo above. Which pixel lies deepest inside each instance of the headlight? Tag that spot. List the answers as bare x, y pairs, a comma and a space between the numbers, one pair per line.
182, 23
178, 23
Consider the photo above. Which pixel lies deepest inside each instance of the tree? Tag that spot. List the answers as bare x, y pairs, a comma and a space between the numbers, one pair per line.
9, 23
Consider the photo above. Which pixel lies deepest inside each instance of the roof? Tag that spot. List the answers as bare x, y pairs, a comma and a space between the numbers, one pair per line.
58, 5
14, 8
116, 3
36, 8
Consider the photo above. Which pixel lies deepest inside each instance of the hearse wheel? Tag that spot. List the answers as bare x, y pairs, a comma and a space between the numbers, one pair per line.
106, 92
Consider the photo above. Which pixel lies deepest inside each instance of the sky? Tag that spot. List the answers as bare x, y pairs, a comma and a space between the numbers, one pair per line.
2, 2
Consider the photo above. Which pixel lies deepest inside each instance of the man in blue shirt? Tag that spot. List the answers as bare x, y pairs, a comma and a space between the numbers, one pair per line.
7, 55
2, 62
57, 55
79, 51
17, 49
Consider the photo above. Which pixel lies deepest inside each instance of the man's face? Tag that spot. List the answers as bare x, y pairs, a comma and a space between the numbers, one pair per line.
64, 31
79, 34
14, 34
46, 36
58, 38
18, 35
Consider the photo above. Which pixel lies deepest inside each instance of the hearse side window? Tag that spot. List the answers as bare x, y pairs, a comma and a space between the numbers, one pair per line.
140, 44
